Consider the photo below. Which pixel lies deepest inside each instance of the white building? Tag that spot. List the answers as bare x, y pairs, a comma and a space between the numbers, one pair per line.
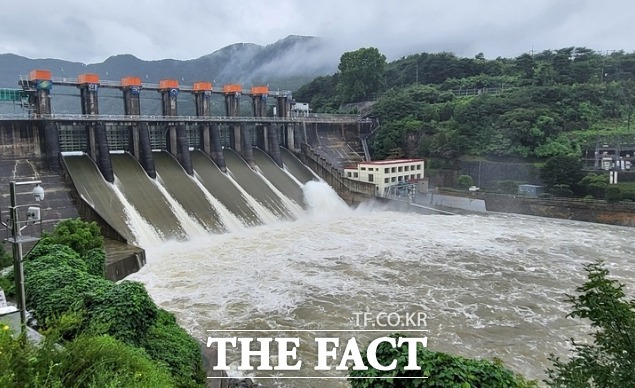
387, 173
300, 109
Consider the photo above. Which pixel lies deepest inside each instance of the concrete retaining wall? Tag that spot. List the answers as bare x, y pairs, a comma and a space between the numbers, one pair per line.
594, 211
464, 203
350, 190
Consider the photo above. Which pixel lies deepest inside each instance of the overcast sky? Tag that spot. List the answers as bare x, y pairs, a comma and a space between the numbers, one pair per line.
90, 31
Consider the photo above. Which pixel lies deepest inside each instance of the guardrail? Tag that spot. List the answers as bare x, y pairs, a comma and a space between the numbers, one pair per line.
202, 119
73, 81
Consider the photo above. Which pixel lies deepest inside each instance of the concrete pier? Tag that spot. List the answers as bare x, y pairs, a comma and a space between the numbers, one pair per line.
289, 138
239, 138
138, 134
232, 94
177, 143
266, 134
97, 146
210, 141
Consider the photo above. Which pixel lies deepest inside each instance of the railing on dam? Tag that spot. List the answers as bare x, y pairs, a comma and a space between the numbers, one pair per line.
314, 118
334, 176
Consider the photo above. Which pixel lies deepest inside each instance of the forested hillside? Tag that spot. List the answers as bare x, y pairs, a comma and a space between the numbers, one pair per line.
442, 106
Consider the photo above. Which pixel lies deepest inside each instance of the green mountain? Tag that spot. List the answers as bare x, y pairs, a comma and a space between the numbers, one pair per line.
285, 64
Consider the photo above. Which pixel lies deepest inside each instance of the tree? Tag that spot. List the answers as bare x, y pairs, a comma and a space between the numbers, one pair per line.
562, 169
437, 370
80, 235
464, 181
610, 360
595, 184
361, 74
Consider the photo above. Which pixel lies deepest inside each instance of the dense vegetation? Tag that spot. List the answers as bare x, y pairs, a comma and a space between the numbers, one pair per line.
438, 369
111, 334
609, 361
442, 106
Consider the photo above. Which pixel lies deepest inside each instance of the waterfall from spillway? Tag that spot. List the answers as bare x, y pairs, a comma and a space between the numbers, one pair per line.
227, 218
295, 209
177, 206
190, 225
144, 233
265, 215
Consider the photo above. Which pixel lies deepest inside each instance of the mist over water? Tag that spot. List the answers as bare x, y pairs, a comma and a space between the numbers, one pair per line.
491, 285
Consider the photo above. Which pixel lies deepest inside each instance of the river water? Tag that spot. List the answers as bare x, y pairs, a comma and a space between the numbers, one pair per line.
490, 285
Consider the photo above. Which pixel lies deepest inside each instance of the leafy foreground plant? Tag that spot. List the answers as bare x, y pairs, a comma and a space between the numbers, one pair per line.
610, 360
105, 329
88, 361
437, 370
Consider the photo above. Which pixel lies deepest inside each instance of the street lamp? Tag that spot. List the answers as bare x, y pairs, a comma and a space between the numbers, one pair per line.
15, 225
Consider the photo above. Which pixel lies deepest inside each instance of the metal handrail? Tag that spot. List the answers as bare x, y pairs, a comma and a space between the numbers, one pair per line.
141, 118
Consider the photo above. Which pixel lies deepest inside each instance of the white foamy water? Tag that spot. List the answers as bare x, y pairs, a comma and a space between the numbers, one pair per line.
265, 215
294, 208
227, 218
191, 226
144, 233
491, 285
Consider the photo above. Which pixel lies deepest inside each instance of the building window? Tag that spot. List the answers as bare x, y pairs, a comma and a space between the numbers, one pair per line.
393, 179
394, 169
370, 177
355, 175
418, 176
400, 169
405, 168
418, 167
386, 170
386, 180
412, 176
349, 174
363, 169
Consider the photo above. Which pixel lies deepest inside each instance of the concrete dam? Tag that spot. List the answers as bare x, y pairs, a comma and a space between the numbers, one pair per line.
148, 178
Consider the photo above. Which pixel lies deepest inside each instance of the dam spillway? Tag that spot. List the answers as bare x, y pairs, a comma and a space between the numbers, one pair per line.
178, 206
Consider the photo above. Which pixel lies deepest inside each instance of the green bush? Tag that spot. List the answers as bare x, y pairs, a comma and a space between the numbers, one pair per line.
79, 235
7, 286
52, 292
6, 258
613, 194
92, 261
562, 170
609, 360
63, 258
507, 187
95, 261
86, 362
23, 364
439, 370
46, 246
628, 194
545, 195
105, 362
184, 358
125, 312
464, 181
561, 191
72, 301
594, 184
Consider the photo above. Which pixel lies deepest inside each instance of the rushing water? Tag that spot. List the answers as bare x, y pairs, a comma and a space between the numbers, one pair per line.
491, 285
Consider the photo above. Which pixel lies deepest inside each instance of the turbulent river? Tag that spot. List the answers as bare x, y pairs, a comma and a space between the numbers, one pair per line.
490, 285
